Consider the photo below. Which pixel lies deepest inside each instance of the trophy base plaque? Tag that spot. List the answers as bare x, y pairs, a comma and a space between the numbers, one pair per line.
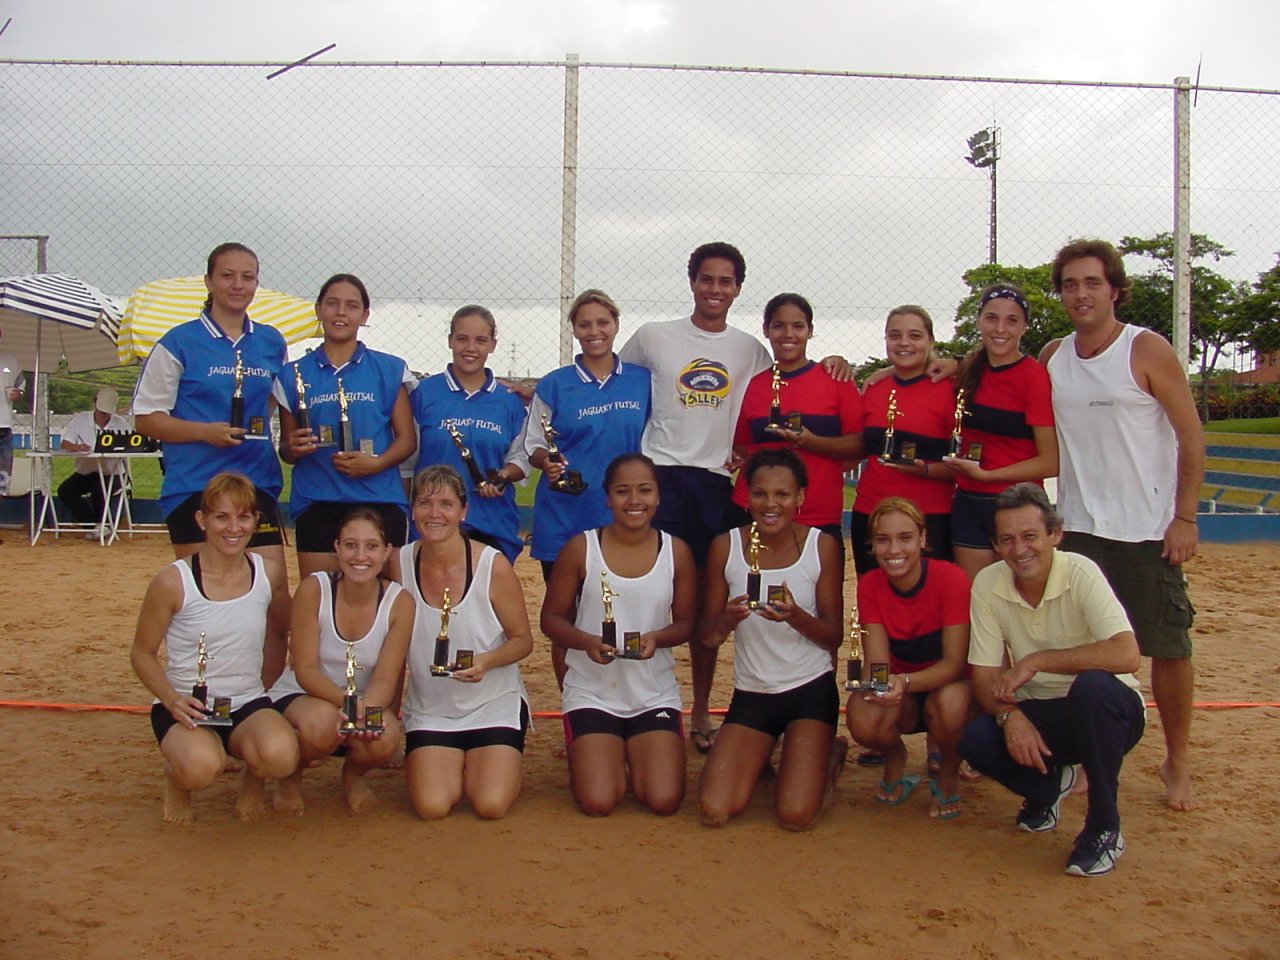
257, 429
324, 437
899, 451
219, 715
466, 660
631, 648
373, 721
570, 482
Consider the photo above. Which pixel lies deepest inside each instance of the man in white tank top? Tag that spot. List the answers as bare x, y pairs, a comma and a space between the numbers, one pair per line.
1132, 464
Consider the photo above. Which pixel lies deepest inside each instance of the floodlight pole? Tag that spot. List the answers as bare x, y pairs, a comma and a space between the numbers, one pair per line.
991, 256
568, 205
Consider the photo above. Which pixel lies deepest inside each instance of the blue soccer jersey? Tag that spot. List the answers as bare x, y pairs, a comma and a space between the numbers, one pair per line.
595, 421
491, 422
372, 381
190, 375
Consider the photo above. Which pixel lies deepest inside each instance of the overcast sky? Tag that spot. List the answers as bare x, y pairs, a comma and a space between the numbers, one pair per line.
1137, 40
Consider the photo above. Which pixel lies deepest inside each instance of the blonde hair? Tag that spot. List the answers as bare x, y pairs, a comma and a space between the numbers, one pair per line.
236, 487
895, 505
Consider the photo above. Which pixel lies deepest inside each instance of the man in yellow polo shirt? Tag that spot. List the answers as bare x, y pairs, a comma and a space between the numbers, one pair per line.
1052, 655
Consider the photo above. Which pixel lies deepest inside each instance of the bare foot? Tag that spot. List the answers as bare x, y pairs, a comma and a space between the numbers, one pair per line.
560, 750
1082, 783
252, 803
835, 765
177, 804
968, 774
1178, 792
232, 765
360, 796
397, 759
289, 794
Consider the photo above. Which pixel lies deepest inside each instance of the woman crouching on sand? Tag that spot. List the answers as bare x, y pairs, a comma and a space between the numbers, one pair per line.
221, 614
347, 620
466, 713
622, 712
783, 678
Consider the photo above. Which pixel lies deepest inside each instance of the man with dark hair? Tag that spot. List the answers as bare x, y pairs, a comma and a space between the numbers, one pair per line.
699, 368
1067, 695
1132, 454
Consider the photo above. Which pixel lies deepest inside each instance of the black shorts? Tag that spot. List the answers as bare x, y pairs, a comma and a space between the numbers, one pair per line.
937, 532
920, 699
578, 723
316, 528
162, 719
772, 713
973, 520
693, 506
465, 740
183, 528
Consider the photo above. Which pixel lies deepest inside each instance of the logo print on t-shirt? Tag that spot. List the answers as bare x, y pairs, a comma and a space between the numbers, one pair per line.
703, 383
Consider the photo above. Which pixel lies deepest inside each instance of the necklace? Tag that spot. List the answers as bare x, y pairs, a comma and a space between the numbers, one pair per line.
1107, 342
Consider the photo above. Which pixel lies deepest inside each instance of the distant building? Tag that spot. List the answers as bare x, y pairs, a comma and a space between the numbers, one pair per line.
1266, 369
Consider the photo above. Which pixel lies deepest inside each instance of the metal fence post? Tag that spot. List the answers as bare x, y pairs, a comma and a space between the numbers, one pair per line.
568, 204
1181, 318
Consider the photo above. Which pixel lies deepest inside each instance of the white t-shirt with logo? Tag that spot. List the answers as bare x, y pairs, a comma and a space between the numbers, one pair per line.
698, 381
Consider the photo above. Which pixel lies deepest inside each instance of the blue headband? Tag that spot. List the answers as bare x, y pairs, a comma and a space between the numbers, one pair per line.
1006, 293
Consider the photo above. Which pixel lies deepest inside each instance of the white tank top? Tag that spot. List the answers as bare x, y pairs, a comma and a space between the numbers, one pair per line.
235, 631
769, 656
333, 649
624, 688
441, 703
1118, 450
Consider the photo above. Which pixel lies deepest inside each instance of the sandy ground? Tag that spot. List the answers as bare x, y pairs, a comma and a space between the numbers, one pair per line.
87, 870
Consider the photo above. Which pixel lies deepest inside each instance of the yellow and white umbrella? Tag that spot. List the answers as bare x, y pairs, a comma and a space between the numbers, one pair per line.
163, 304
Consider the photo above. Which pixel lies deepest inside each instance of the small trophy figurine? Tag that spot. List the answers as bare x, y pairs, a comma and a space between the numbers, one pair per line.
853, 675
570, 480
346, 433
775, 404
469, 461
753, 567
301, 414
608, 628
440, 658
237, 395
895, 450
220, 715
350, 701
956, 448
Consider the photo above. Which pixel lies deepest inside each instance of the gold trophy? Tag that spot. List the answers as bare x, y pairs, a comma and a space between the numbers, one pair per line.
237, 394
301, 414
956, 448
478, 478
775, 403
754, 546
895, 450
608, 628
346, 432
570, 480
857, 633
220, 714
440, 660
350, 701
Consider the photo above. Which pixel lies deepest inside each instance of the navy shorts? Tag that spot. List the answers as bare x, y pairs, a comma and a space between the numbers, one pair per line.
183, 528
973, 520
578, 723
162, 719
465, 740
772, 713
316, 528
693, 506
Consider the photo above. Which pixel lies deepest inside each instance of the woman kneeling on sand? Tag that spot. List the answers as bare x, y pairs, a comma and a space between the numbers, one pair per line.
351, 620
221, 614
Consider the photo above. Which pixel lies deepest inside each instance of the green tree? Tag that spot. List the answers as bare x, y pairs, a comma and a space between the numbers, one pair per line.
1260, 311
1047, 320
1217, 318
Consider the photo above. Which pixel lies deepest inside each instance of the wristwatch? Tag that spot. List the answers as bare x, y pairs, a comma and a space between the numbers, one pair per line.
1002, 716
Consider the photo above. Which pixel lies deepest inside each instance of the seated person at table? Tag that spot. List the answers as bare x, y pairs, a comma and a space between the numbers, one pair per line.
1052, 655
82, 490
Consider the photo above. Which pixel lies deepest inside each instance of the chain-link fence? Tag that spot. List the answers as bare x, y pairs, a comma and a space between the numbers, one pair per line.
442, 184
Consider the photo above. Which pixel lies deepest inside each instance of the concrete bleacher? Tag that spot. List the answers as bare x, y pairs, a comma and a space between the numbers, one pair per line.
1240, 496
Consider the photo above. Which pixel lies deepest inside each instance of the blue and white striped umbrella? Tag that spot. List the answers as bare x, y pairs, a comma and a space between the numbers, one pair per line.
46, 316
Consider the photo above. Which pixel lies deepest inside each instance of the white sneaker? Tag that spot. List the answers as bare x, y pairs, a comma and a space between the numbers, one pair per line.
94, 534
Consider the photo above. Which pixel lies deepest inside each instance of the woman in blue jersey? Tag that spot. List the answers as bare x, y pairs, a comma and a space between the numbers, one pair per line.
597, 407
222, 617
622, 715
327, 479
184, 395
488, 421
